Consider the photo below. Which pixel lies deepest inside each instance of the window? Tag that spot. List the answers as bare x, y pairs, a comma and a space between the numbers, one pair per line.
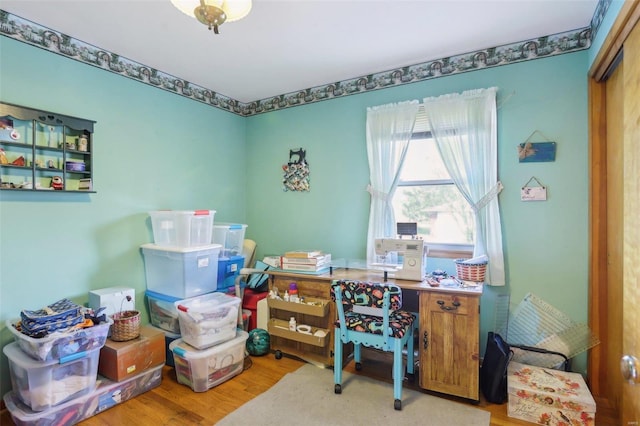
427, 195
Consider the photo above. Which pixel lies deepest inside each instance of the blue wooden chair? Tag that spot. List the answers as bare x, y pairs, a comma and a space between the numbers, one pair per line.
369, 314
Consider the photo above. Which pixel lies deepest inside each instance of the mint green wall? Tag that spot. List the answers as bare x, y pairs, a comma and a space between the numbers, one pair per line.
545, 243
157, 150
153, 150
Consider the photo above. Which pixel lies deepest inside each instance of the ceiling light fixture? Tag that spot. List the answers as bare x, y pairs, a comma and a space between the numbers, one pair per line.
214, 13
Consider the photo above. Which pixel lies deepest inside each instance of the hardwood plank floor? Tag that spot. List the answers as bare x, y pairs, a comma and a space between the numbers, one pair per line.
175, 404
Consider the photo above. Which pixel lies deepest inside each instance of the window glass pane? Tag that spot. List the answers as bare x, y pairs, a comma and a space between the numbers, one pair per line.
423, 162
442, 214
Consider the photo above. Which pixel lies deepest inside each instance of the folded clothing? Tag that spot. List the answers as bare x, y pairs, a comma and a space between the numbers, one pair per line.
59, 315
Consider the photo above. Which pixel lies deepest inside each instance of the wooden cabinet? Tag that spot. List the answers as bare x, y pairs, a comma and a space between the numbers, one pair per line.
41, 150
317, 347
448, 338
449, 343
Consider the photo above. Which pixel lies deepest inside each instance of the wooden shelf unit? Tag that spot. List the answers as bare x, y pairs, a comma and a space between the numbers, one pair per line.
44, 151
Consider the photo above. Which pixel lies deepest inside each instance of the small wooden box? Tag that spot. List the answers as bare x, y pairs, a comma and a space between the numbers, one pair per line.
121, 360
548, 397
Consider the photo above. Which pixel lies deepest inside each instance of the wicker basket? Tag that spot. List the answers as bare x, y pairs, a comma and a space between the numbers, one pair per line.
126, 326
470, 271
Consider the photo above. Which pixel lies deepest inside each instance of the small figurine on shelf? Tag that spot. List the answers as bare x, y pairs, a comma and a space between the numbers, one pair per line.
19, 161
57, 183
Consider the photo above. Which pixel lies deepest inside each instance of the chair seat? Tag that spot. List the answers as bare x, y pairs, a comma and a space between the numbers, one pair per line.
363, 308
400, 323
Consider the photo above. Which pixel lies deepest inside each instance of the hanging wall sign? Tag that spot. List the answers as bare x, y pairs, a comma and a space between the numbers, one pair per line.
296, 172
532, 152
533, 193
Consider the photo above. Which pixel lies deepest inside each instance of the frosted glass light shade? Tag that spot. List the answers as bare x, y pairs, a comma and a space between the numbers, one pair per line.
234, 9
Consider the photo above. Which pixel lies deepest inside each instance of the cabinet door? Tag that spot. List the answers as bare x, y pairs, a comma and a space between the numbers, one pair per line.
449, 343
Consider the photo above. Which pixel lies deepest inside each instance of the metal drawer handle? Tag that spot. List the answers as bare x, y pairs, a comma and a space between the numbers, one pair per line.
455, 304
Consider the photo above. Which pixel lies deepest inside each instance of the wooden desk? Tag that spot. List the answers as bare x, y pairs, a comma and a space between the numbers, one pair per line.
448, 337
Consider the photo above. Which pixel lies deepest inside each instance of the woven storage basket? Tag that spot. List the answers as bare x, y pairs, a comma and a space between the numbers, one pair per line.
470, 271
126, 326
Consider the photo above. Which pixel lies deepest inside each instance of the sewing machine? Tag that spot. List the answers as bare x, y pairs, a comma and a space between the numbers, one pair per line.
414, 257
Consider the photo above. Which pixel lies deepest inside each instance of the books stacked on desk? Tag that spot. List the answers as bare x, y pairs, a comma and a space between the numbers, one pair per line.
305, 261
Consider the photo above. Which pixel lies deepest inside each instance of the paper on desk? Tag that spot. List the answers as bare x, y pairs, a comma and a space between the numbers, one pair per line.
273, 261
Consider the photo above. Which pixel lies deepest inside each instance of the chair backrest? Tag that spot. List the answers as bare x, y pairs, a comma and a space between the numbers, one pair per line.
367, 297
249, 252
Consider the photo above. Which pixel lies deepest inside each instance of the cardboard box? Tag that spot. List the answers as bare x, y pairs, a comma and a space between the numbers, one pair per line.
548, 397
121, 360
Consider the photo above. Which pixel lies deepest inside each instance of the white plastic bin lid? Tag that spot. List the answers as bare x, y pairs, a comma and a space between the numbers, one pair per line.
213, 248
180, 348
183, 212
16, 355
206, 303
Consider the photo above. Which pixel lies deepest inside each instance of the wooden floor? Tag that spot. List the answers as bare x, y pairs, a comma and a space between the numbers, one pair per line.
174, 404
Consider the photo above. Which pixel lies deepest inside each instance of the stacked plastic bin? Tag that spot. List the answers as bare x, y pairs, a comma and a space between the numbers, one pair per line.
230, 236
53, 367
211, 349
181, 263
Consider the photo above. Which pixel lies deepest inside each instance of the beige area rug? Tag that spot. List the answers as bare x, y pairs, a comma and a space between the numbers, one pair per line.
306, 397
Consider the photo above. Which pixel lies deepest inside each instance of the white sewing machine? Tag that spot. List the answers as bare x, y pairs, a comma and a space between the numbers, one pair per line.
413, 251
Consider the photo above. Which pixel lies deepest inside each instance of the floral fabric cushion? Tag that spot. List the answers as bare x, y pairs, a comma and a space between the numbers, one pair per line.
371, 295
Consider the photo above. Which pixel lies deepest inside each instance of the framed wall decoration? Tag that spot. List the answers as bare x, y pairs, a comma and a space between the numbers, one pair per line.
533, 152
533, 193
296, 172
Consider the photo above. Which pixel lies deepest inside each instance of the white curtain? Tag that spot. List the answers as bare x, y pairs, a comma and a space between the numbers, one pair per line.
464, 128
389, 129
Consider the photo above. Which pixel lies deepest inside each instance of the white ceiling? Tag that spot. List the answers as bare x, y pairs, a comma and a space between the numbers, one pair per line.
287, 45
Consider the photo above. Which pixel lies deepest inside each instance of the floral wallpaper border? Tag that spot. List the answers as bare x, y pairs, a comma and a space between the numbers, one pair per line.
23, 30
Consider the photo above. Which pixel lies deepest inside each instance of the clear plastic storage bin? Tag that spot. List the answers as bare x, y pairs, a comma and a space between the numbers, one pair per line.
106, 395
182, 228
162, 311
181, 273
61, 344
209, 319
45, 384
203, 369
230, 236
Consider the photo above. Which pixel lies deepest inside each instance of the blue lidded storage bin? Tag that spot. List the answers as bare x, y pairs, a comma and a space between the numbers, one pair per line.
228, 270
181, 272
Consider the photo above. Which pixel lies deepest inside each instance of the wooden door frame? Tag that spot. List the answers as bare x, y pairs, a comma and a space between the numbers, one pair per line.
598, 297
